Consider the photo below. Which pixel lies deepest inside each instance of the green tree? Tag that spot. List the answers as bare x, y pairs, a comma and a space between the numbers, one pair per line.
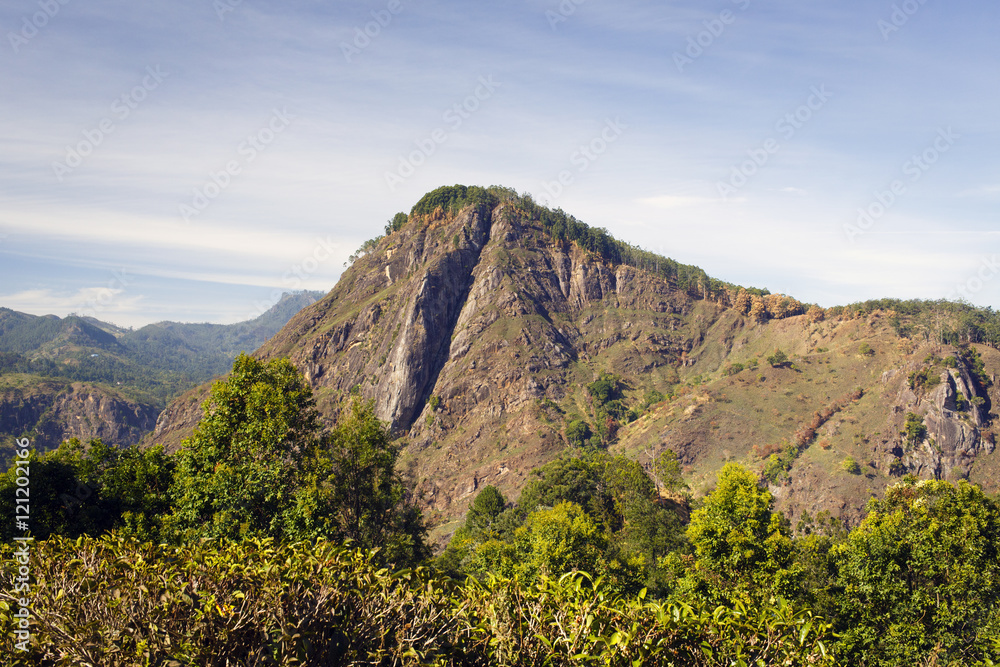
603, 485
395, 223
239, 472
739, 538
778, 359
621, 500
78, 490
353, 491
851, 466
921, 577
578, 433
557, 540
554, 541
914, 429
667, 471
487, 506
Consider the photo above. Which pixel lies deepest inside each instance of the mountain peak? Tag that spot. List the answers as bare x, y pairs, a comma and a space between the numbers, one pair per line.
480, 322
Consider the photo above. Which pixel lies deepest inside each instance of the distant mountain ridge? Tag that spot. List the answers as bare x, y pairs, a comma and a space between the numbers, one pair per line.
80, 377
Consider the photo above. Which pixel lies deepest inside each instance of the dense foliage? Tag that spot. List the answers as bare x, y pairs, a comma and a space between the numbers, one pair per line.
921, 576
116, 602
916, 582
77, 491
948, 322
452, 198
598, 563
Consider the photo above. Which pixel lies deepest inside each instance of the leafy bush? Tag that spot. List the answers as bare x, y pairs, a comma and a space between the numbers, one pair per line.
775, 469
851, 466
897, 468
778, 359
395, 223
738, 537
733, 369
651, 398
914, 429
578, 433
88, 491
924, 379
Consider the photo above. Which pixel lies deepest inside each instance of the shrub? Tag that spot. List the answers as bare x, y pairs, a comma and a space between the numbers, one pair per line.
924, 380
851, 466
651, 398
578, 432
118, 603
778, 359
733, 369
914, 429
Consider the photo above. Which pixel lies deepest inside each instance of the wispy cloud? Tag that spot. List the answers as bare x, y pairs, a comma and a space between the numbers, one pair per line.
323, 176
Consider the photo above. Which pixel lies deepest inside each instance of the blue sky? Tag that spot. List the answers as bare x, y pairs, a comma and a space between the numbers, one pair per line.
192, 160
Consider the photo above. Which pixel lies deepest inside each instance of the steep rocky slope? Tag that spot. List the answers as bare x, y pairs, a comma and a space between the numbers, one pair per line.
50, 411
476, 330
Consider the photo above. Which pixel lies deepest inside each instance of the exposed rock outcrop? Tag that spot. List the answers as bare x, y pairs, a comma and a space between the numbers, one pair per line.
952, 413
51, 411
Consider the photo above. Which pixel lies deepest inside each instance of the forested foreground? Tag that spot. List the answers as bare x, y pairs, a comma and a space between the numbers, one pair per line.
268, 539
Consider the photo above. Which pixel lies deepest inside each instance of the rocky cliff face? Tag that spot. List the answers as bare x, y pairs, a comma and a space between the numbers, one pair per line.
48, 412
953, 417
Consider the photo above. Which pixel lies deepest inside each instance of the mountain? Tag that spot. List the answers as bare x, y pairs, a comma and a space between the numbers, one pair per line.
493, 334
203, 351
80, 377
